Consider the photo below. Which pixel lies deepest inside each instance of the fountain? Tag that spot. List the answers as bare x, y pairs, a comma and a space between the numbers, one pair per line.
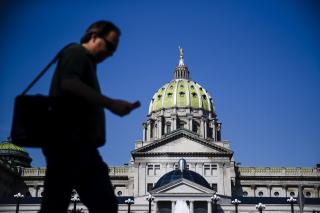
181, 207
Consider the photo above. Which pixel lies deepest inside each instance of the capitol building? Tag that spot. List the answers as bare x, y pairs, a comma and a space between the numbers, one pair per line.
182, 163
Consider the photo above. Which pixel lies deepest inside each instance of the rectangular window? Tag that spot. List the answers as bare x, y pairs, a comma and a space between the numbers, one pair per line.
150, 169
149, 187
214, 187
156, 169
153, 170
209, 169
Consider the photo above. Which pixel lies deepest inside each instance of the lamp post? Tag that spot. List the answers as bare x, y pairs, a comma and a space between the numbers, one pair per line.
260, 207
19, 196
75, 199
236, 203
214, 200
291, 200
129, 202
150, 198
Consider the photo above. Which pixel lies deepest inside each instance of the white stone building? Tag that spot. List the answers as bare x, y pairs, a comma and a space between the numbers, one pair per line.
183, 159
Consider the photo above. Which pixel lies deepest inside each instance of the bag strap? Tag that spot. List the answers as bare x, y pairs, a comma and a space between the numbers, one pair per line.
54, 60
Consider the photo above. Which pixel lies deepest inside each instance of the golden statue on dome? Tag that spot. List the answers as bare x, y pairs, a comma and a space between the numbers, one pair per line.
181, 52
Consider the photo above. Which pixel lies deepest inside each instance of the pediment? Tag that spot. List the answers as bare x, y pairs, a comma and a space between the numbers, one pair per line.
182, 186
182, 142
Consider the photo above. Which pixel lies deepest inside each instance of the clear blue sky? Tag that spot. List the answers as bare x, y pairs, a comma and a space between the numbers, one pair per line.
259, 60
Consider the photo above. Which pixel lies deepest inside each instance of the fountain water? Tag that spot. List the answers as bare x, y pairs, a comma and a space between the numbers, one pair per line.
181, 207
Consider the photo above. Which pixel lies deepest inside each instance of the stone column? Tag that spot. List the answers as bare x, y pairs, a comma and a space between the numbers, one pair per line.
142, 180
160, 127
172, 206
201, 128
209, 207
190, 122
174, 122
191, 206
285, 190
205, 129
253, 187
155, 206
148, 131
213, 130
136, 179
269, 187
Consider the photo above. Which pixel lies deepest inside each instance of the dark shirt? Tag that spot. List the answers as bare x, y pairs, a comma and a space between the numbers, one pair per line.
83, 123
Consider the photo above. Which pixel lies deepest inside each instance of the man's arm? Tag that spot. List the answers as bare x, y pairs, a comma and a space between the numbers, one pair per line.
76, 87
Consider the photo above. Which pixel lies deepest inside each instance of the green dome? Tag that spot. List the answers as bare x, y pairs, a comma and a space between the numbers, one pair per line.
181, 93
10, 146
14, 155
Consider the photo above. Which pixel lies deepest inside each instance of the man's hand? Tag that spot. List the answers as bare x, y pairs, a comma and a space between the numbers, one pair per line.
121, 107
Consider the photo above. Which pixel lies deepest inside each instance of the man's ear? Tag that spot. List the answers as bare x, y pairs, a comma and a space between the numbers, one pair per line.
93, 37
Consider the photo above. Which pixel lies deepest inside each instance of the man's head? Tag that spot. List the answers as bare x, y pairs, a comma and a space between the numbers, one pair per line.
101, 39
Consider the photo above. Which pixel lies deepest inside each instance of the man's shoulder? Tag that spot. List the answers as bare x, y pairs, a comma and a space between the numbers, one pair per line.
75, 50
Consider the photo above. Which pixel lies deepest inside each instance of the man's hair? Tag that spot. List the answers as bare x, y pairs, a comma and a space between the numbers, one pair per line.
100, 28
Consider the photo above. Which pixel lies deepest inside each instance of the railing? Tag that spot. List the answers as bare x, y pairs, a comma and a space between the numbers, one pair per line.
38, 172
278, 171
118, 170
27, 172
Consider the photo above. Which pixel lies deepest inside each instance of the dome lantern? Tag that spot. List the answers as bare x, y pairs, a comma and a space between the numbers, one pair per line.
181, 71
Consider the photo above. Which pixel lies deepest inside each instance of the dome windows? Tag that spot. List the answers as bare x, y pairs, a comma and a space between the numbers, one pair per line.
181, 93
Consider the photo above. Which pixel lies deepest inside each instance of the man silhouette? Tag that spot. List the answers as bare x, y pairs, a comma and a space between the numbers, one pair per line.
73, 161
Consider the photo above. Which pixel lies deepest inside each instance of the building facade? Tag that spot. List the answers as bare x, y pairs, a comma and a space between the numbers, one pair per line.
182, 161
